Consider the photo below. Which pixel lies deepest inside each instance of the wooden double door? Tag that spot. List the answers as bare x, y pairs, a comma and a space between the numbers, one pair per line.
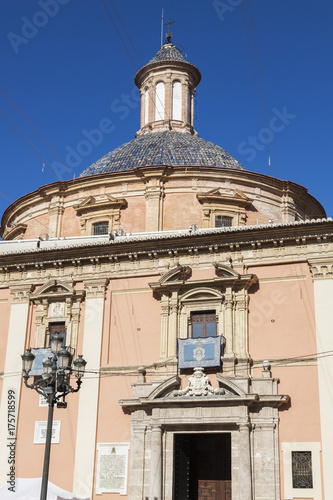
203, 466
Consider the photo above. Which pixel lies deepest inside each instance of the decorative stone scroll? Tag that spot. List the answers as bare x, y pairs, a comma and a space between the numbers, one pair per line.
112, 468
199, 385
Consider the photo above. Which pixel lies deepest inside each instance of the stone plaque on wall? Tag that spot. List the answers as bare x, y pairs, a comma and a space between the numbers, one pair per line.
112, 468
40, 432
57, 309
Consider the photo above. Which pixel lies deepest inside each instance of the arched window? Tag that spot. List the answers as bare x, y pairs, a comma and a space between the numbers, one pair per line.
146, 106
159, 101
189, 106
176, 101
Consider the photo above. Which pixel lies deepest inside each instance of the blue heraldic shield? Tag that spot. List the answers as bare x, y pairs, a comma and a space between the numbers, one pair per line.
199, 352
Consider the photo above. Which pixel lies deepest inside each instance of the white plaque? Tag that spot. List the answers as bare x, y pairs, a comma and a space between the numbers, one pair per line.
112, 468
43, 400
40, 432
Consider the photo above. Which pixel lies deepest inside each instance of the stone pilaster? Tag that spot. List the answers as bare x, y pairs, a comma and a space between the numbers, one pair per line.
322, 274
88, 396
229, 321
40, 323
154, 195
156, 463
56, 210
15, 347
164, 326
137, 462
245, 473
264, 463
172, 341
241, 308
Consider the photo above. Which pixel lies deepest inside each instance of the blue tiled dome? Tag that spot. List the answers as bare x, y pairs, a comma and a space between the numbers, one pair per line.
163, 148
169, 52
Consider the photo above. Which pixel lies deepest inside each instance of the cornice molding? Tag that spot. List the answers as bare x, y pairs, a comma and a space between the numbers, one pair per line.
75, 187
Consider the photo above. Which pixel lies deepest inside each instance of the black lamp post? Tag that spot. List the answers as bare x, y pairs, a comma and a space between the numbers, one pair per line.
54, 386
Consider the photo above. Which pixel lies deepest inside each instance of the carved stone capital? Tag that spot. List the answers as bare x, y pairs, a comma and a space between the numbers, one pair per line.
20, 293
173, 308
95, 288
321, 269
164, 309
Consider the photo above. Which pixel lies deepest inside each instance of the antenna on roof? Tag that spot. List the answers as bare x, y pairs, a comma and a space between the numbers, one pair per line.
162, 27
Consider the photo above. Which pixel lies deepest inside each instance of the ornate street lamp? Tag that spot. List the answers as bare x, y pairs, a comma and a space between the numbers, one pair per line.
54, 385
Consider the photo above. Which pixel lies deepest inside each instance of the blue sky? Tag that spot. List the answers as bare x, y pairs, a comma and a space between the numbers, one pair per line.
65, 66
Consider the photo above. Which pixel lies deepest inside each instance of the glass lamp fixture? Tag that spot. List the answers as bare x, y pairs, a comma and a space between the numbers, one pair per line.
55, 343
47, 366
54, 385
27, 361
79, 366
64, 359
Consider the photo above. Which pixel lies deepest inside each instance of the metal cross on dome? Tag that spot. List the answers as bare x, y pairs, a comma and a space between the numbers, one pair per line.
168, 36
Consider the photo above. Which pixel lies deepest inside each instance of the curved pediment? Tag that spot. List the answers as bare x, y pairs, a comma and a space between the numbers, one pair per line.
181, 273
224, 271
230, 387
165, 388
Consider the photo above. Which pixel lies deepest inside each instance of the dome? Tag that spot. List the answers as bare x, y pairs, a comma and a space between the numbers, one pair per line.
169, 52
163, 148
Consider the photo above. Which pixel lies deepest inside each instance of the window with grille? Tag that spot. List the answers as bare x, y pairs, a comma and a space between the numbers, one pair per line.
222, 221
302, 469
56, 328
100, 228
203, 324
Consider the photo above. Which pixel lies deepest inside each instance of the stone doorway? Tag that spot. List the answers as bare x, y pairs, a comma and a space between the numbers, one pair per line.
202, 466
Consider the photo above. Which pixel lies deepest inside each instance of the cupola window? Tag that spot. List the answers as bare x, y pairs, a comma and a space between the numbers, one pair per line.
159, 101
177, 101
222, 221
100, 228
189, 107
146, 106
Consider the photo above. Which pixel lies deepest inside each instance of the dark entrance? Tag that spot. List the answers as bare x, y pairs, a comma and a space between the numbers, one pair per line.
203, 466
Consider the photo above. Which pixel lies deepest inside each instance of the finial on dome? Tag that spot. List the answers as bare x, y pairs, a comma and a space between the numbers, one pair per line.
168, 35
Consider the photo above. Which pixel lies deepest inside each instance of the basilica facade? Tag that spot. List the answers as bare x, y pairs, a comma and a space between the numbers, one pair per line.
200, 295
